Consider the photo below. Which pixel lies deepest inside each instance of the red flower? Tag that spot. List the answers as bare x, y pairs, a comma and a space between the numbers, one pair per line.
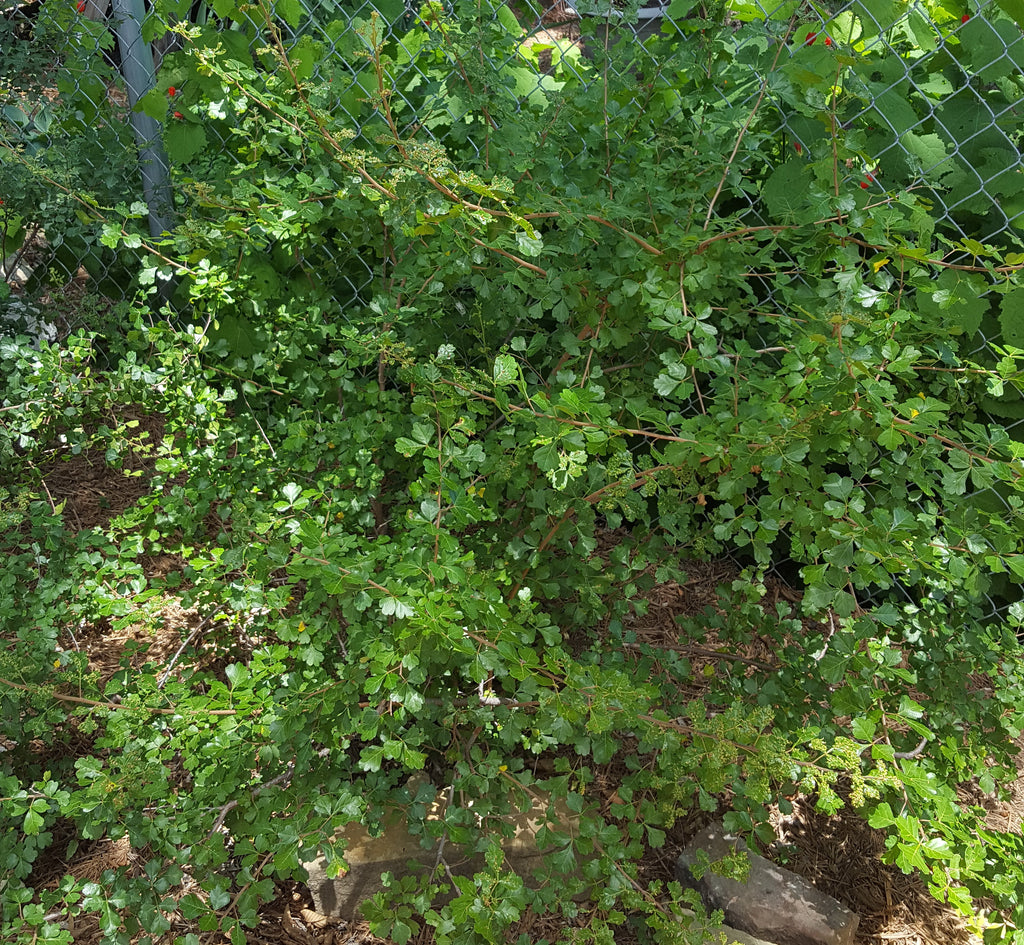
811, 37
828, 40
799, 148
965, 17
172, 91
178, 115
864, 185
81, 6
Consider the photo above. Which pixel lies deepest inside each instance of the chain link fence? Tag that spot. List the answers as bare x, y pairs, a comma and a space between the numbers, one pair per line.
957, 142
961, 141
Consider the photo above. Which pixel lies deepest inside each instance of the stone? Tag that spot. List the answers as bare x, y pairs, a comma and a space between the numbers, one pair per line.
400, 853
21, 317
736, 937
774, 903
733, 937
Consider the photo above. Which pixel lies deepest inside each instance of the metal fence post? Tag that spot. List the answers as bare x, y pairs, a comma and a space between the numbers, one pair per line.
139, 76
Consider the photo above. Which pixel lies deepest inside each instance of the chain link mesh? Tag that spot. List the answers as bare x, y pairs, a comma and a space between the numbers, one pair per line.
957, 143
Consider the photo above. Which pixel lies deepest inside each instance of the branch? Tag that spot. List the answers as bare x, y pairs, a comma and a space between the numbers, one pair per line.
79, 700
643, 244
914, 752
515, 259
283, 778
582, 424
746, 125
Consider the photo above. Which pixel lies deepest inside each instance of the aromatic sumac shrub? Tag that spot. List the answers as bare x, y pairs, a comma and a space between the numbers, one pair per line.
464, 358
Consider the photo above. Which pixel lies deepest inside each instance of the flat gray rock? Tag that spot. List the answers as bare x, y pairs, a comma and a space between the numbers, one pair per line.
774, 903
399, 852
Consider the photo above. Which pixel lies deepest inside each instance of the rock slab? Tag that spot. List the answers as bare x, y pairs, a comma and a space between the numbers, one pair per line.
773, 903
399, 852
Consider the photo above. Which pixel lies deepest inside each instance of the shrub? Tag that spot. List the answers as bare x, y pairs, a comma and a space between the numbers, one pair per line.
416, 386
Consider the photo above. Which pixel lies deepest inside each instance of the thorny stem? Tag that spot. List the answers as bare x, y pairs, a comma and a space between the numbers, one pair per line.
746, 124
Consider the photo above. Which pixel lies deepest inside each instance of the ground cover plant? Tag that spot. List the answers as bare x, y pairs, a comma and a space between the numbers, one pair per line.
440, 392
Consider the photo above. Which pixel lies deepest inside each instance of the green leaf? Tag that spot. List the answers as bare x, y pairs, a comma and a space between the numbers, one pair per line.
929, 149
1014, 9
393, 607
506, 371
833, 668
183, 140
33, 823
153, 104
881, 816
786, 190
890, 438
666, 385
220, 896
875, 16
863, 728
1016, 564
1011, 316
236, 673
910, 709
289, 10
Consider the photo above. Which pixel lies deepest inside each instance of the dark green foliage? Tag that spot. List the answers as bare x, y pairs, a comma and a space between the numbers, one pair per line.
414, 385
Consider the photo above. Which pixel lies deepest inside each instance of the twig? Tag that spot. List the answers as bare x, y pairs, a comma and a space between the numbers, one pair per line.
444, 837
283, 778
515, 259
743, 131
913, 753
643, 244
174, 659
99, 704
622, 431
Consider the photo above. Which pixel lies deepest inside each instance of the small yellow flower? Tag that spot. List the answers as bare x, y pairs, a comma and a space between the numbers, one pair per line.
503, 767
